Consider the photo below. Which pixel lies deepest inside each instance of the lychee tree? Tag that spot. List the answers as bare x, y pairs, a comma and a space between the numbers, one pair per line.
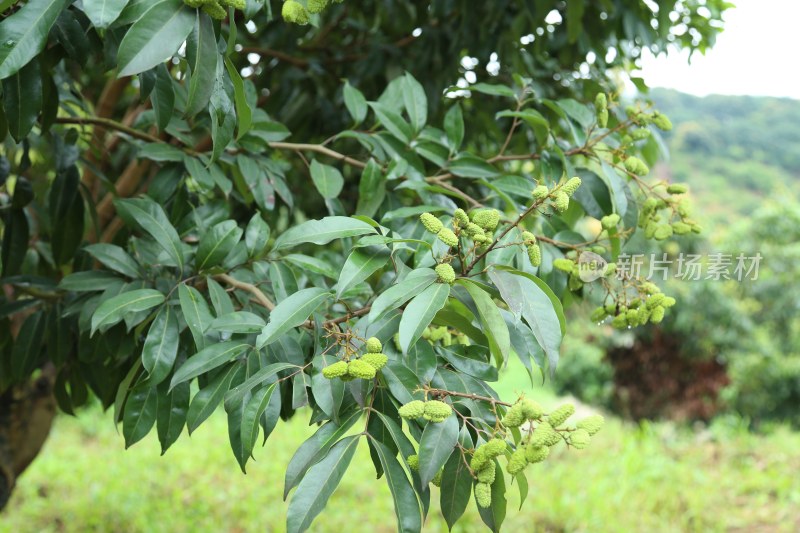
331, 214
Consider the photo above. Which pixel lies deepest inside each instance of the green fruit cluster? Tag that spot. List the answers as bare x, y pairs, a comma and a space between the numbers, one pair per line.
442, 334
216, 9
634, 165
413, 464
484, 467
486, 454
522, 412
486, 219
661, 227
559, 197
364, 367
636, 312
433, 410
436, 226
610, 221
534, 252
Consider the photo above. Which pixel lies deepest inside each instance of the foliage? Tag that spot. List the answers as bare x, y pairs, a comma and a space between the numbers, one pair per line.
160, 232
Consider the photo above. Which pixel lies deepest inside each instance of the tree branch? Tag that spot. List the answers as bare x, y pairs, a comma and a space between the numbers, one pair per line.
249, 287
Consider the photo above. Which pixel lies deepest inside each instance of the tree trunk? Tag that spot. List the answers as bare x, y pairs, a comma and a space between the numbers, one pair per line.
26, 415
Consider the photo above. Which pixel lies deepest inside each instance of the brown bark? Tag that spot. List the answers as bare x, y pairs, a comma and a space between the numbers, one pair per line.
26, 415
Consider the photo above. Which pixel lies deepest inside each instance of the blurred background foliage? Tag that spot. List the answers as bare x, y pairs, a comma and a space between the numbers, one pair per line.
731, 347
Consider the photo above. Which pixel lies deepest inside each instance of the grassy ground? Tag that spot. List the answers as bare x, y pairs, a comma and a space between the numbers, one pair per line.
633, 478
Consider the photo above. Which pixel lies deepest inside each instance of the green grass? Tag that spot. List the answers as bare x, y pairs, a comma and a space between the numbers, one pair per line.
633, 478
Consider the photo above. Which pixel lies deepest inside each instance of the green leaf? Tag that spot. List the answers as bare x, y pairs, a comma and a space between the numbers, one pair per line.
28, 346
361, 264
371, 190
420, 312
151, 218
456, 489
115, 258
256, 235
537, 122
202, 56
327, 179
493, 90
355, 102
415, 101
322, 231
163, 97
454, 127
393, 122
208, 359
314, 449
103, 12
205, 402
238, 322
22, 99
491, 320
217, 243
235, 396
526, 298
222, 110
219, 298
252, 414
318, 485
66, 215
89, 281
161, 152
140, 413
291, 313
406, 504
470, 166
574, 20
114, 309
195, 312
15, 241
171, 415
155, 37
436, 446
243, 112
24, 34
161, 345
493, 516
470, 360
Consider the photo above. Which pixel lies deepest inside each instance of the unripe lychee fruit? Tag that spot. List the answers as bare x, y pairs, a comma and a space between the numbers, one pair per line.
560, 415
336, 370
448, 237
431, 223
374, 345
437, 411
294, 12
413, 409
483, 495
375, 360
446, 273
316, 6
360, 369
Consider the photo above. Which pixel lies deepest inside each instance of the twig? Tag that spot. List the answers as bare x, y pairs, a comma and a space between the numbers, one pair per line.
476, 397
249, 287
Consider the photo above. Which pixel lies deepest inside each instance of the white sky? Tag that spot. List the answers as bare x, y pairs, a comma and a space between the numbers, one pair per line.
757, 54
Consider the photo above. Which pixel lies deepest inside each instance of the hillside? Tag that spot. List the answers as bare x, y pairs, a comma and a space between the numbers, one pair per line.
736, 152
